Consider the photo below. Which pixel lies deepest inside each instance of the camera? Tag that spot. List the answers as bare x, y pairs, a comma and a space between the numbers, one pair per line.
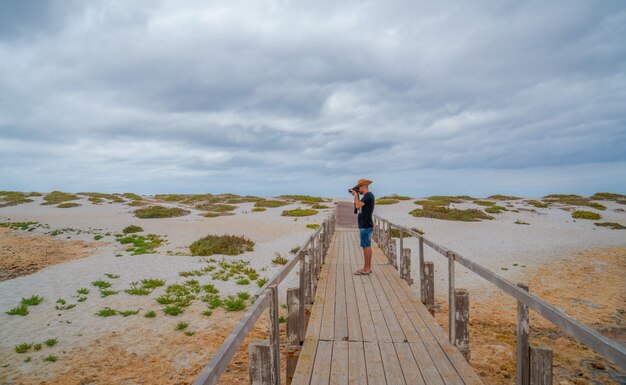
355, 189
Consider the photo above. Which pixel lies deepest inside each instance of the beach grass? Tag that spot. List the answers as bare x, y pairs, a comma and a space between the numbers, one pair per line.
106, 292
270, 203
221, 244
112, 276
83, 290
573, 200
182, 326
313, 226
299, 212
152, 283
19, 310
242, 281
495, 209
50, 358
258, 209
57, 197
484, 203
215, 207
160, 212
612, 225
23, 347
173, 310
106, 312
386, 201
136, 289
150, 314
262, 281
32, 300
141, 244
101, 284
397, 197
132, 229
232, 303
68, 205
501, 197
14, 198
450, 214
581, 214
303, 198
521, 222
279, 259
51, 342
538, 204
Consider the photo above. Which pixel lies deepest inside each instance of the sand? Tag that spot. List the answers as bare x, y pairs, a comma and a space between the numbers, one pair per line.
136, 350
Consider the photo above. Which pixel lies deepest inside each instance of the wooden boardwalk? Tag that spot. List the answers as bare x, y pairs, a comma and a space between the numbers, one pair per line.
372, 329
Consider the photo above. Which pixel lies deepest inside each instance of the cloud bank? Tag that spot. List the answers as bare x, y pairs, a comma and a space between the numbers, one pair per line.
272, 97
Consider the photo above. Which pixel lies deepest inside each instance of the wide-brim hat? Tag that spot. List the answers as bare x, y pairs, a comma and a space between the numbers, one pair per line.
363, 182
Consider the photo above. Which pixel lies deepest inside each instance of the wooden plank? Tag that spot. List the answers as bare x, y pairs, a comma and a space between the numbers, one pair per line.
391, 364
374, 364
365, 317
356, 369
327, 330
410, 333
341, 317
340, 364
412, 373
395, 331
323, 359
425, 323
444, 366
427, 367
352, 309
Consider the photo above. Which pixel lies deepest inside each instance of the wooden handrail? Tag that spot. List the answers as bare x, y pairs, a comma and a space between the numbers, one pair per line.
602, 345
211, 373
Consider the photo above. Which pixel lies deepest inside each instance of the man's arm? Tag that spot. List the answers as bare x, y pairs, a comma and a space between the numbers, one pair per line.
357, 202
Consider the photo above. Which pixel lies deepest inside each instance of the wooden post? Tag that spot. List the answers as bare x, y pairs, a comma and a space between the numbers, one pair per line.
405, 266
522, 366
293, 337
461, 298
293, 313
308, 294
274, 337
392, 257
428, 287
540, 365
451, 302
302, 296
401, 252
259, 359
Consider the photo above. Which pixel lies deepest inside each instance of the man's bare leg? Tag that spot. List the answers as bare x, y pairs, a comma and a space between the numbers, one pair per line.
367, 256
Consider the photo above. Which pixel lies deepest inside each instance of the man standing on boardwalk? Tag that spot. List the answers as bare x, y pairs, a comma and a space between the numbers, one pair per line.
365, 206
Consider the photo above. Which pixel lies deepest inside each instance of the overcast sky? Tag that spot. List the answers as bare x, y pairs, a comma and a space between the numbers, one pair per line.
272, 97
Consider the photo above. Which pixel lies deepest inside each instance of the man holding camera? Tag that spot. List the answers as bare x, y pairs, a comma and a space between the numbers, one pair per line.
365, 206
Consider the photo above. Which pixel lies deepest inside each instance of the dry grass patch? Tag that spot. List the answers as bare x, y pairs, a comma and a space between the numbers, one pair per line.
57, 197
612, 225
573, 200
386, 201
299, 212
581, 214
450, 214
270, 203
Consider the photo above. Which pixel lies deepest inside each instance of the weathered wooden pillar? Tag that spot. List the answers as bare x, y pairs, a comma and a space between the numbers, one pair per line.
540, 365
428, 287
421, 260
461, 319
274, 336
308, 293
259, 362
451, 302
405, 266
293, 330
392, 257
522, 365
401, 248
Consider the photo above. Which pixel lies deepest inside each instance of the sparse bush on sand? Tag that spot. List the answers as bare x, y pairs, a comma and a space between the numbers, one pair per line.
612, 225
132, 229
221, 244
581, 214
160, 212
450, 214
386, 201
56, 197
68, 205
270, 203
299, 212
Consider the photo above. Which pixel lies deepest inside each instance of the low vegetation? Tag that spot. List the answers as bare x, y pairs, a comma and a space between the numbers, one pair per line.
397, 197
258, 209
132, 229
495, 209
270, 203
313, 226
500, 197
215, 207
141, 244
573, 200
68, 205
538, 204
14, 198
450, 214
33, 300
57, 197
581, 214
395, 233
279, 259
611, 225
299, 212
221, 244
484, 203
160, 212
386, 201
520, 222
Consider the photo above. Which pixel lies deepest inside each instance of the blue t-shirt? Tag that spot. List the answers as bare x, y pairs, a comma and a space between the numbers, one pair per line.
365, 216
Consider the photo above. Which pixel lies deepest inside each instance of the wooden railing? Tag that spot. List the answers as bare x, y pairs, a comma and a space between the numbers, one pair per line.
264, 366
533, 364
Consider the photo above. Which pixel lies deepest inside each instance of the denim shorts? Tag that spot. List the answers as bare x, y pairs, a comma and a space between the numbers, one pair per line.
366, 236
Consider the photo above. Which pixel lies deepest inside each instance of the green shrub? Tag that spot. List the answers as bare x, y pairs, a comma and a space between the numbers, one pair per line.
68, 205
538, 204
244, 295
182, 326
303, 198
270, 203
258, 209
573, 200
449, 214
580, 214
160, 212
520, 222
32, 301
504, 197
107, 312
313, 226
221, 244
132, 229
142, 244
102, 284
19, 310
233, 304
262, 281
215, 207
50, 342
280, 260
22, 348
386, 201
242, 281
172, 310
612, 225
495, 209
150, 314
126, 313
396, 197
299, 212
50, 358
484, 203
56, 197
